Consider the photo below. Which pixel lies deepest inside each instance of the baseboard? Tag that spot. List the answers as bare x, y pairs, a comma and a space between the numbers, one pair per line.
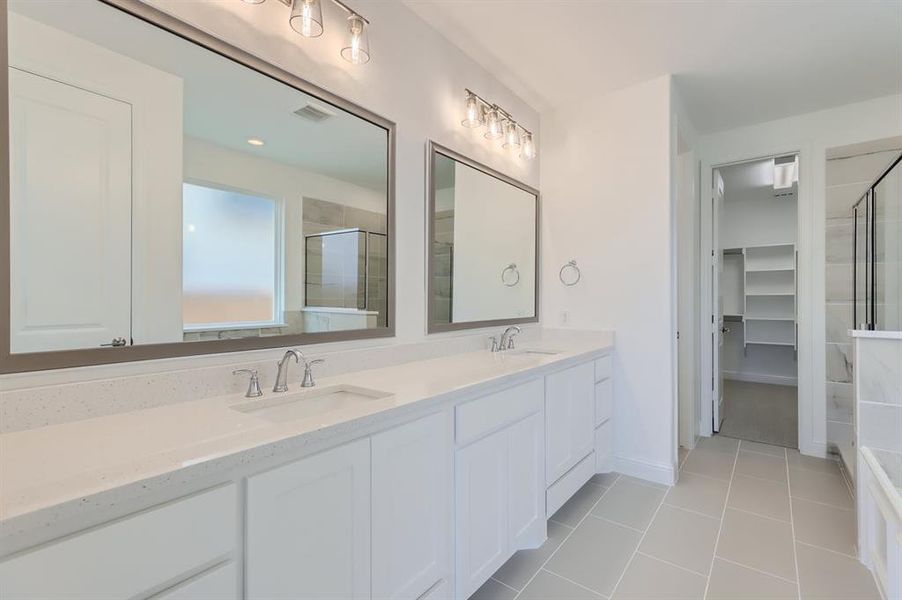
760, 378
641, 469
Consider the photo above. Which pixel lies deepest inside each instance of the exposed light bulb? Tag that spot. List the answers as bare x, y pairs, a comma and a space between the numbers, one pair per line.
357, 48
307, 17
475, 116
511, 135
528, 148
253, 1
255, 141
493, 122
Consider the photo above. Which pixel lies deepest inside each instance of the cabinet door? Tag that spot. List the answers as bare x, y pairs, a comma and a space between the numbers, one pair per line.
308, 527
412, 523
482, 492
569, 418
219, 583
526, 446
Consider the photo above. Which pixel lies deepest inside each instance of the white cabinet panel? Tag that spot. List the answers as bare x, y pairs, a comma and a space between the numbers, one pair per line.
412, 524
129, 557
482, 494
308, 527
604, 401
494, 411
526, 444
219, 583
604, 367
70, 211
563, 489
569, 418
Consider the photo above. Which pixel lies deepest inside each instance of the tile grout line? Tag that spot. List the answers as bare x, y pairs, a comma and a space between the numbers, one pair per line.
819, 503
499, 582
723, 513
795, 553
639, 543
576, 583
612, 522
755, 569
567, 537
689, 510
759, 515
667, 562
830, 550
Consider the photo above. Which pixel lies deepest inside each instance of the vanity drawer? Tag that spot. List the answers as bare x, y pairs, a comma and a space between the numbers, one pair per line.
603, 368
604, 400
478, 417
131, 556
219, 583
569, 483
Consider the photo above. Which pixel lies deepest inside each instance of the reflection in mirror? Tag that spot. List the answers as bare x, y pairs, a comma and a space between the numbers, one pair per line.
161, 192
483, 237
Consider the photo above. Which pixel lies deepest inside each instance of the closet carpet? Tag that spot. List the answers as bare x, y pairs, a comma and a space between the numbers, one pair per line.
761, 412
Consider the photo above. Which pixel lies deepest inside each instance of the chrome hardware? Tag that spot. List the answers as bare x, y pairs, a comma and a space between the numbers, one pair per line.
574, 274
308, 371
117, 342
507, 338
253, 386
494, 341
515, 272
725, 330
282, 374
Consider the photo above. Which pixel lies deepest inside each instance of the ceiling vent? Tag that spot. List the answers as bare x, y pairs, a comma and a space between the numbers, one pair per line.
313, 112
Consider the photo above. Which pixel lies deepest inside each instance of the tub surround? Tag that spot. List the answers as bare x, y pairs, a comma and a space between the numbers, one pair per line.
63, 477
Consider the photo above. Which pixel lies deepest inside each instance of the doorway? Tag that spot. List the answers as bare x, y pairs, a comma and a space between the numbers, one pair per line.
754, 295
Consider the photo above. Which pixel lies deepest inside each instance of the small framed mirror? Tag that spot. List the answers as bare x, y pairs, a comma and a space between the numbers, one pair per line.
483, 245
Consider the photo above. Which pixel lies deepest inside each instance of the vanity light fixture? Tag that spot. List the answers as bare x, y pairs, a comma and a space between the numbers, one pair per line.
306, 18
499, 124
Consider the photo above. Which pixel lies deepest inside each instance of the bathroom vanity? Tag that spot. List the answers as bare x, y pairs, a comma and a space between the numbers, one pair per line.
416, 480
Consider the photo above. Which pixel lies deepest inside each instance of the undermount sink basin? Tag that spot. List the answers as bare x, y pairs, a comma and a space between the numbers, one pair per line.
310, 402
532, 352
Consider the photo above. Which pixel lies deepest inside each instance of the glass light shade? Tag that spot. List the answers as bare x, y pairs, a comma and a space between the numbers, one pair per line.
493, 122
528, 147
475, 116
253, 1
357, 48
307, 17
511, 135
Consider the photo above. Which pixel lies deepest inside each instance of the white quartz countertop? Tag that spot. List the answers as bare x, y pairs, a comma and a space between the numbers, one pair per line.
55, 471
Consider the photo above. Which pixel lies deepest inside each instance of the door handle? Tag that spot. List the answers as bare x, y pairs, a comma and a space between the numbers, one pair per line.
725, 330
117, 342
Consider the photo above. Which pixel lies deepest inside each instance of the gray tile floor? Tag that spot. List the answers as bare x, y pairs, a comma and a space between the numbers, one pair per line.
761, 412
746, 520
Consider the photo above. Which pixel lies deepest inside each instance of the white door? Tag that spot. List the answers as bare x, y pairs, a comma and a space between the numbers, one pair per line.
482, 500
412, 524
70, 211
569, 419
308, 528
526, 444
718, 329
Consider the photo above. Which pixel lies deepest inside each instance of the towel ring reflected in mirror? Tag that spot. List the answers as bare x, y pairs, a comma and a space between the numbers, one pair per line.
510, 272
570, 273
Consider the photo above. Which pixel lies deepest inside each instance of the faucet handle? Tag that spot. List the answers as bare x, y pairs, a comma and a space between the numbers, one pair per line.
308, 371
253, 386
510, 340
494, 342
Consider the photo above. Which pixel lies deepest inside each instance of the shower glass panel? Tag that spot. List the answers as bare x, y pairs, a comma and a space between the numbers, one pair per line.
877, 240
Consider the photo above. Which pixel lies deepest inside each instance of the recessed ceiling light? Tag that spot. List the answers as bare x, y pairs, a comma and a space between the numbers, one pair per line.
255, 141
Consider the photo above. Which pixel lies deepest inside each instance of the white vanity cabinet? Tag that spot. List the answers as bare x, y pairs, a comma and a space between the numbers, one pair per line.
412, 521
308, 527
183, 549
569, 432
499, 481
604, 412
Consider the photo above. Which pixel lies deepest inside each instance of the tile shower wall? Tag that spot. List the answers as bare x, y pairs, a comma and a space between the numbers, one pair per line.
847, 177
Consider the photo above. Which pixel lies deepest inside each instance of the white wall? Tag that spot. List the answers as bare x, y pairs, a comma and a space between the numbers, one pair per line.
810, 134
494, 226
607, 203
757, 218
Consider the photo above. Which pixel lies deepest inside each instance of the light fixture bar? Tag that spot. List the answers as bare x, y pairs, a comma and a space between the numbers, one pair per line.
338, 3
500, 123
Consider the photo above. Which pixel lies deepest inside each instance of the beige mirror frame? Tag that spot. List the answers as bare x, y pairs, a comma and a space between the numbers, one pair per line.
37, 361
432, 150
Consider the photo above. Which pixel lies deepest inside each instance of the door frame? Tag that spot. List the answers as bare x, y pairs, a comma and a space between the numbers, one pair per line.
809, 429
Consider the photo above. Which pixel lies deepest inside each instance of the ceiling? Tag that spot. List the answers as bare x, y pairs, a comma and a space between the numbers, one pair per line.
735, 62
226, 103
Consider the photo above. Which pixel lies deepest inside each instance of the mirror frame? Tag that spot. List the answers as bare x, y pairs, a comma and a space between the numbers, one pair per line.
58, 359
432, 150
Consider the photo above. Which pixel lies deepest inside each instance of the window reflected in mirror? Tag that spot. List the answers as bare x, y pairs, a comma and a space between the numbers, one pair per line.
162, 193
483, 246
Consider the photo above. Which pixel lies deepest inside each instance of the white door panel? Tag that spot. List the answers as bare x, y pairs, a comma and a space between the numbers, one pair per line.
717, 292
70, 211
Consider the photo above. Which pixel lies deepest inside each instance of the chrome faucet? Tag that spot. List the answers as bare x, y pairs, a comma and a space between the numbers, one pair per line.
282, 374
507, 338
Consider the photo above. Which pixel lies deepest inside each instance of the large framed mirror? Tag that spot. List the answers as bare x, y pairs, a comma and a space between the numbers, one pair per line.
171, 195
483, 239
